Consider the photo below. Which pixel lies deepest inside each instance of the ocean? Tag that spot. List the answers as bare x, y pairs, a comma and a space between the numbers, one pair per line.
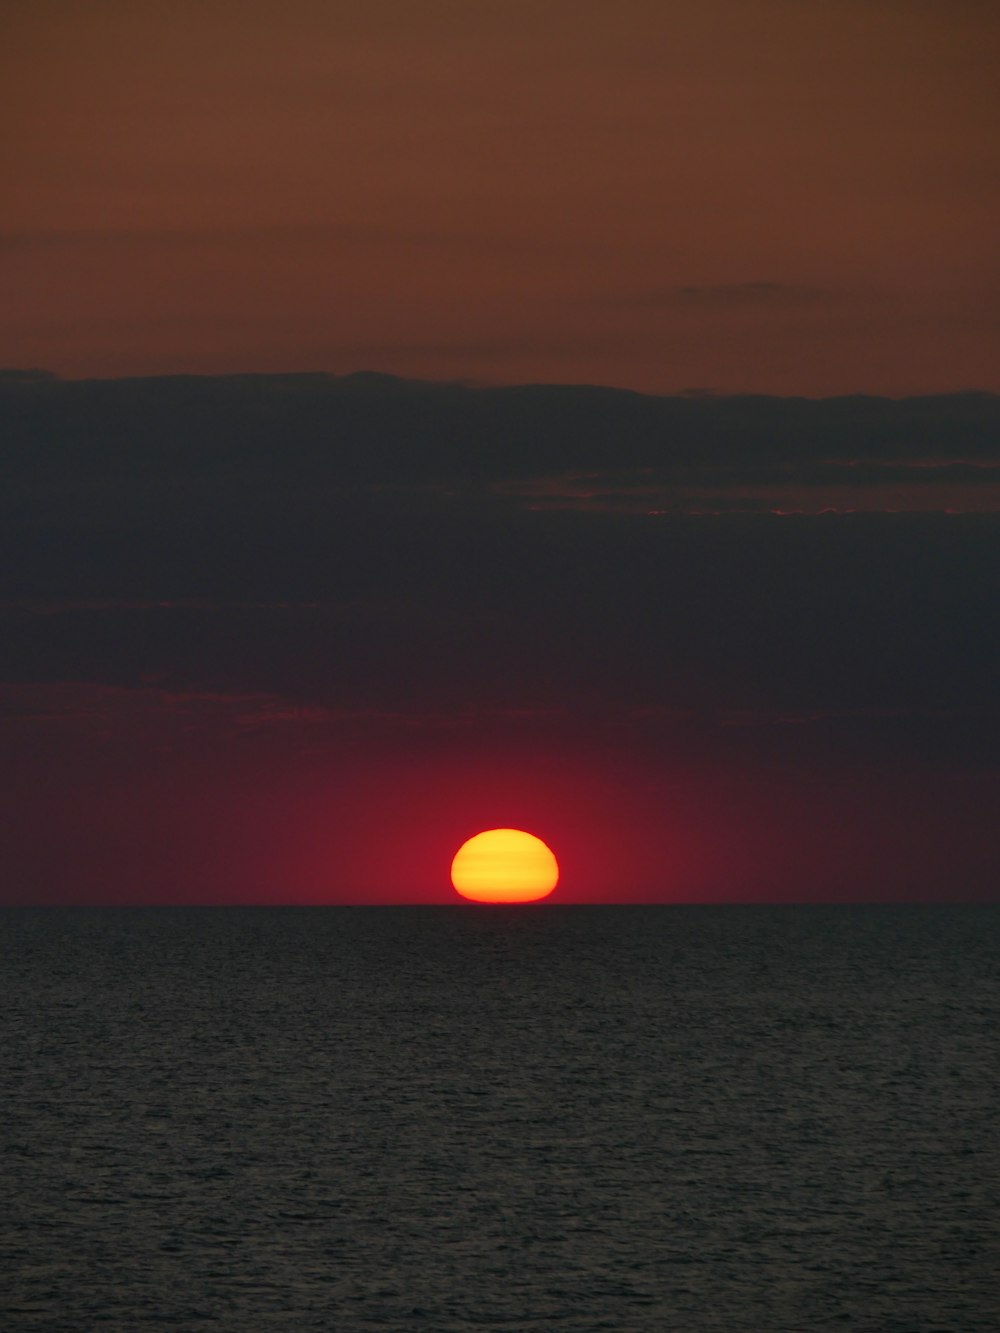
515, 1118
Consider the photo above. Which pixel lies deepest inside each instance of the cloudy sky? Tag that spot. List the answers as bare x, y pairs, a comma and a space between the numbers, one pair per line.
294, 638
325, 543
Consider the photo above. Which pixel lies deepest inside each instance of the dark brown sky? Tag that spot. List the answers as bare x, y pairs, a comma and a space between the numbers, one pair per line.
771, 195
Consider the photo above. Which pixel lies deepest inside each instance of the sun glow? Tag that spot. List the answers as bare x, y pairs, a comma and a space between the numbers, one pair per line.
504, 865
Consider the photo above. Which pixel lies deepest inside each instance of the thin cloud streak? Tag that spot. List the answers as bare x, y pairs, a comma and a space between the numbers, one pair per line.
762, 295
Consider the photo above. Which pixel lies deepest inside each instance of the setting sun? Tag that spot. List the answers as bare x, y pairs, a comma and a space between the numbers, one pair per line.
504, 865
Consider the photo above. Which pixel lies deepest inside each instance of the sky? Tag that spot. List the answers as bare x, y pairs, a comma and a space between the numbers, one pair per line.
769, 196
294, 638
422, 418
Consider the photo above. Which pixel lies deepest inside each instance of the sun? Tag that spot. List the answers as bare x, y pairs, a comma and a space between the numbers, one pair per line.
504, 865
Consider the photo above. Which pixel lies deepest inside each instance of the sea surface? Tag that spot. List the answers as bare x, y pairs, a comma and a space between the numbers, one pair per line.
629, 1118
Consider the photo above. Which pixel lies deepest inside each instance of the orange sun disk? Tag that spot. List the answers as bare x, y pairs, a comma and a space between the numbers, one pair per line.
504, 865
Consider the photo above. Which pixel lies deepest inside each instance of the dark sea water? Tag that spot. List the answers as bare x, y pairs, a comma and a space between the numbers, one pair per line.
501, 1119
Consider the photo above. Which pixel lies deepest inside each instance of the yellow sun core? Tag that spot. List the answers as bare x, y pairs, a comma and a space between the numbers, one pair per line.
504, 865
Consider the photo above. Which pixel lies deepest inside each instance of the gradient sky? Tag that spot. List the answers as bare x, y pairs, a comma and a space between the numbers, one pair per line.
277, 639
274, 627
747, 195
